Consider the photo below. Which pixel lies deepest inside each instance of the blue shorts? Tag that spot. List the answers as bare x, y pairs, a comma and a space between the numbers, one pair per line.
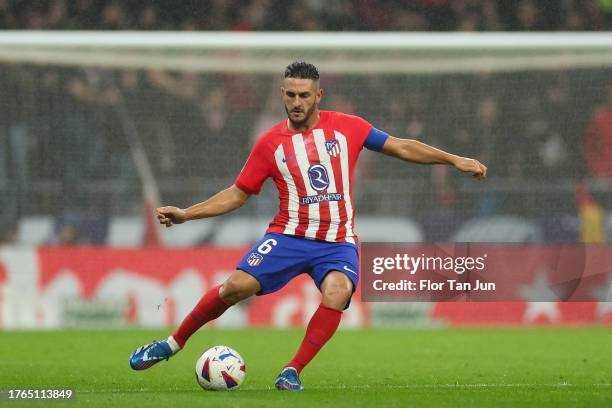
278, 258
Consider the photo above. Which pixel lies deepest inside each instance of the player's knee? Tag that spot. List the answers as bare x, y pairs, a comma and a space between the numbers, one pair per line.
337, 289
231, 292
338, 293
234, 290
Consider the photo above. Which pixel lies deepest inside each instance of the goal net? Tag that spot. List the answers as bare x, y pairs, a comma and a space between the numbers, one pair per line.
93, 121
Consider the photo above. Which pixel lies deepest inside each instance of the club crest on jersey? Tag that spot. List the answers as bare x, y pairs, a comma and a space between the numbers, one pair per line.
332, 147
254, 259
319, 179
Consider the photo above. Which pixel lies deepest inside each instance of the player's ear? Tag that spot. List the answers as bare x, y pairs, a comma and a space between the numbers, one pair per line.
319, 95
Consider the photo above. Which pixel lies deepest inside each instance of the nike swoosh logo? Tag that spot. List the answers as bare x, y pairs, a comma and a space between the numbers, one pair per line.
349, 270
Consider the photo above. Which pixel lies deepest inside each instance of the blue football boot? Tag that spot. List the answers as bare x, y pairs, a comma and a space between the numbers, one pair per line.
288, 380
150, 354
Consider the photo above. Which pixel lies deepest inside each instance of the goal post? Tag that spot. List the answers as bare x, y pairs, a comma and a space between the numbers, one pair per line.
262, 52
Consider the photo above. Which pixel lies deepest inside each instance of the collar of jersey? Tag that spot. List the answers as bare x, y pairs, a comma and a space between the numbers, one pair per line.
295, 132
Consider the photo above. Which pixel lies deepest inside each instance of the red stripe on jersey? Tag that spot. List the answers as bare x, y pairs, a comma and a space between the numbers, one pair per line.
339, 188
352, 168
292, 165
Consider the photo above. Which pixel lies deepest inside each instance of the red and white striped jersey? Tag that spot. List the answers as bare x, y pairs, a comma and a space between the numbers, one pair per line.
313, 172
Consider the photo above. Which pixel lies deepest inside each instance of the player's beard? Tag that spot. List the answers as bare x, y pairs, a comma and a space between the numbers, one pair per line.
307, 115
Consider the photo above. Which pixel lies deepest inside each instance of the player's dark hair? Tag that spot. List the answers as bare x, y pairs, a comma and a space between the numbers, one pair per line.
302, 70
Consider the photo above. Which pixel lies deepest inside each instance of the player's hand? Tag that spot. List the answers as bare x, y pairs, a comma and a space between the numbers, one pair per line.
475, 167
169, 216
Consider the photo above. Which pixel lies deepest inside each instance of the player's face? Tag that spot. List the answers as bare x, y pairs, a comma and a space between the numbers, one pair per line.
301, 98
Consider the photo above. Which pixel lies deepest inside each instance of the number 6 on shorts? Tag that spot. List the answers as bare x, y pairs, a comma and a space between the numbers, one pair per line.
266, 246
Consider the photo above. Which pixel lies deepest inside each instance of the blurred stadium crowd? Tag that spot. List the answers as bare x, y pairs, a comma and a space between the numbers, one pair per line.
316, 15
63, 131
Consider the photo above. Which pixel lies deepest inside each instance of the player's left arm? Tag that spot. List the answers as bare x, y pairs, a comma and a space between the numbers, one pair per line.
418, 152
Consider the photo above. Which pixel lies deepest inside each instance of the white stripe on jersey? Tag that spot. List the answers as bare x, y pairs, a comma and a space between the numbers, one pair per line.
301, 156
319, 138
294, 220
344, 165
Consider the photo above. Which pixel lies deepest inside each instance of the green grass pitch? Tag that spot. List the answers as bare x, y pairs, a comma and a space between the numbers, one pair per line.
540, 367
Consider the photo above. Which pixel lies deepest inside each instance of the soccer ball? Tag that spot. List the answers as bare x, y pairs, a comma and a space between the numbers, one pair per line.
220, 368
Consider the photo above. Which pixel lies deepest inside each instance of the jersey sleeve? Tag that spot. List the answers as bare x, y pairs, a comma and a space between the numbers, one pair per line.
367, 135
256, 169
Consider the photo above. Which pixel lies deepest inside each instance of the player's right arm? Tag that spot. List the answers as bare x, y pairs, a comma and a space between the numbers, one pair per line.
252, 176
221, 203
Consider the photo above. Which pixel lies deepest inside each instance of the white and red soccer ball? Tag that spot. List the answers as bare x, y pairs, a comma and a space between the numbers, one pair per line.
220, 368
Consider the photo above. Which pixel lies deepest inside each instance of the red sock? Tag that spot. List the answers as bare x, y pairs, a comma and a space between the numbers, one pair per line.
208, 308
321, 328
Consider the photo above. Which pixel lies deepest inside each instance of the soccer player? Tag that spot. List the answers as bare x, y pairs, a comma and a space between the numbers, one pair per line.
311, 157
